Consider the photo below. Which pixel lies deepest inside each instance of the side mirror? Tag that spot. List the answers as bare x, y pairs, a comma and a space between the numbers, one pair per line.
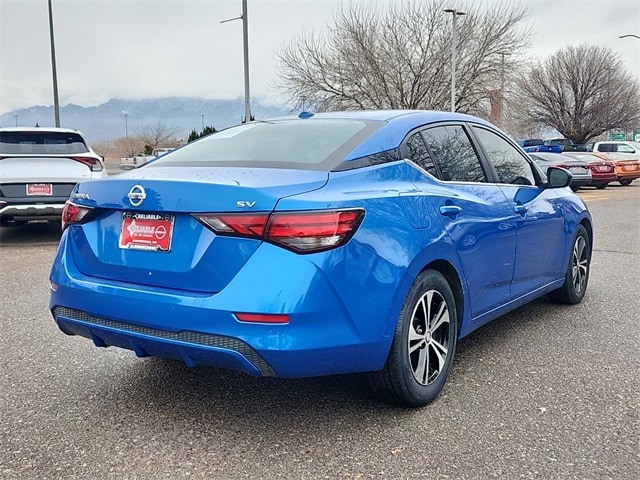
558, 177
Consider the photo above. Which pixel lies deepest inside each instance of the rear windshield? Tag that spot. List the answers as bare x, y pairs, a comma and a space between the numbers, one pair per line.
41, 143
307, 144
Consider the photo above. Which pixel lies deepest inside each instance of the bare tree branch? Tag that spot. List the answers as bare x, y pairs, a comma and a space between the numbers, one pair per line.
581, 92
401, 58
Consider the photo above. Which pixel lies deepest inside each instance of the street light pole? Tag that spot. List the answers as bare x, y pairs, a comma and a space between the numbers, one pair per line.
126, 124
56, 103
245, 51
630, 35
454, 39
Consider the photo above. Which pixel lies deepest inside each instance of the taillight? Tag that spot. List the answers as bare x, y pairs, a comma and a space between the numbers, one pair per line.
236, 224
93, 163
301, 232
72, 214
313, 231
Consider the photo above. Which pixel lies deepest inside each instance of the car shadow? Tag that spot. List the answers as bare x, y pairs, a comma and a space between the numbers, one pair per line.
31, 233
188, 396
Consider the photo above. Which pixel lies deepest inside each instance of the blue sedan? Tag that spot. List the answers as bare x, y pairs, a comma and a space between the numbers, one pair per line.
321, 244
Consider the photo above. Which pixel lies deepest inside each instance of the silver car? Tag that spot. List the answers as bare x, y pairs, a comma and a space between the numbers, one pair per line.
39, 168
579, 168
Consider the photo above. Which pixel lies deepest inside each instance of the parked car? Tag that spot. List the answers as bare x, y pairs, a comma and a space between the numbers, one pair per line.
627, 167
532, 145
127, 163
603, 172
331, 243
566, 145
579, 168
38, 169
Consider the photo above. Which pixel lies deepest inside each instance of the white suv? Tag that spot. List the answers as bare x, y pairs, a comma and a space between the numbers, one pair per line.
38, 169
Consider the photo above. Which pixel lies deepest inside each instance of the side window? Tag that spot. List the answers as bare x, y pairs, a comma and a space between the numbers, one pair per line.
454, 155
419, 154
622, 148
606, 147
509, 164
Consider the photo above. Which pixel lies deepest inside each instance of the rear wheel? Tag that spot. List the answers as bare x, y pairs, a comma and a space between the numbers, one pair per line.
577, 276
601, 186
423, 346
625, 181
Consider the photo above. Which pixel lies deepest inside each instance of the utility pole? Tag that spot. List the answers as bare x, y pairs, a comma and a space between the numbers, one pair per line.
56, 103
454, 46
245, 51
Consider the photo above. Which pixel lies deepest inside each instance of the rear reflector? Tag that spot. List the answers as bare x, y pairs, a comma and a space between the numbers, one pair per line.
262, 318
301, 232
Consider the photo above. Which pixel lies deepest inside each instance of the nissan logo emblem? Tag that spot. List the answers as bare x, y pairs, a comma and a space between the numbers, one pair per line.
136, 195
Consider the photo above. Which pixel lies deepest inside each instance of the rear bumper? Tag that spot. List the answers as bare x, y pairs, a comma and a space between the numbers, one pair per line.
32, 212
603, 179
194, 348
338, 328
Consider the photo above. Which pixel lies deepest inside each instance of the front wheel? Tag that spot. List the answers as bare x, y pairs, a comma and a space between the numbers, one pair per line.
577, 275
423, 345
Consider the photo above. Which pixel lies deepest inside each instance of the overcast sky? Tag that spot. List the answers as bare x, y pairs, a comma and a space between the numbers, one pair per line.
134, 49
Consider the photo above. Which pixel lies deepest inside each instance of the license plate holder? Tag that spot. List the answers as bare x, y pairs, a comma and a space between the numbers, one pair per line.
39, 189
146, 231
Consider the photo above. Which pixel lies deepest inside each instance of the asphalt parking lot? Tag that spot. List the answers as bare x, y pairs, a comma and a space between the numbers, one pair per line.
546, 392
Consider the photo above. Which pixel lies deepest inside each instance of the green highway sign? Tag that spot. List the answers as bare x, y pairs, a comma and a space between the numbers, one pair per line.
615, 136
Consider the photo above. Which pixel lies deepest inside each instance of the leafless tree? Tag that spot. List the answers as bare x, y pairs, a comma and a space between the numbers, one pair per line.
401, 58
130, 146
159, 135
582, 92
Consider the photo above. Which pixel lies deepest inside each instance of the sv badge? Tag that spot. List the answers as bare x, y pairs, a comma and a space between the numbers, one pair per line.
245, 204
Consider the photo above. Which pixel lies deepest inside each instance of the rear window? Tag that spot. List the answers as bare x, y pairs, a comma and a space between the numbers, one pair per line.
41, 143
300, 144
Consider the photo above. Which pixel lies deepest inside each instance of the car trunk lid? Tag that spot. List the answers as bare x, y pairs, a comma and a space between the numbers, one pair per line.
144, 228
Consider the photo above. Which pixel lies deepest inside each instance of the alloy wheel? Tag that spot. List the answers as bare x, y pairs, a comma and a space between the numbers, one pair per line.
580, 264
428, 339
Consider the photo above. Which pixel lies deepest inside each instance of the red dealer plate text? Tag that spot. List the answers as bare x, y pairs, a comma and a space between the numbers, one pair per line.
146, 231
39, 189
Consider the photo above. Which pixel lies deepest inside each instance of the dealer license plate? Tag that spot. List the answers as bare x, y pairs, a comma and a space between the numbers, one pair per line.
39, 189
146, 231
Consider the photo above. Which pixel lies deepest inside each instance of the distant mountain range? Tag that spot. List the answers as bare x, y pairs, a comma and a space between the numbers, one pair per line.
108, 121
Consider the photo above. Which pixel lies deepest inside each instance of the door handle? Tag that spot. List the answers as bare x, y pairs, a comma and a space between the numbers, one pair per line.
450, 210
520, 209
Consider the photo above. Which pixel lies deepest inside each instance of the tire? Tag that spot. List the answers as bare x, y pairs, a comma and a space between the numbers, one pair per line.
601, 186
625, 182
575, 188
577, 276
423, 346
